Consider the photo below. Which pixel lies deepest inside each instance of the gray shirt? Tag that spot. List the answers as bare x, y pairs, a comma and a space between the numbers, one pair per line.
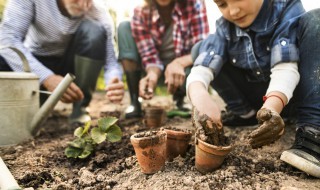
38, 27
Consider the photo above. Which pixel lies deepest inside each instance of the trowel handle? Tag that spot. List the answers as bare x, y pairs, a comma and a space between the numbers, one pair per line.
53, 99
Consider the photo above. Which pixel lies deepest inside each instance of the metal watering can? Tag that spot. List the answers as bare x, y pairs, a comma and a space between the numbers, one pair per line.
20, 111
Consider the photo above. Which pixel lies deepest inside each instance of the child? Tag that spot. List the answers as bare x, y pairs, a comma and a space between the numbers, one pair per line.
264, 48
160, 37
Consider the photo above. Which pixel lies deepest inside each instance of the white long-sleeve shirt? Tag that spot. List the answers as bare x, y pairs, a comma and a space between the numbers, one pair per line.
38, 27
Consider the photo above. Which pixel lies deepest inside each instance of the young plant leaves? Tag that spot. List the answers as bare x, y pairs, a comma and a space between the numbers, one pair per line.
87, 138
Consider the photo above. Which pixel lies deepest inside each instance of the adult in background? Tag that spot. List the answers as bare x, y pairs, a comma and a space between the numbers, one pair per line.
62, 36
159, 40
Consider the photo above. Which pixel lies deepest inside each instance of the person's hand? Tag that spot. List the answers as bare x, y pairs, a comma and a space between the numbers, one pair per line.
270, 130
174, 76
72, 94
203, 102
115, 90
148, 83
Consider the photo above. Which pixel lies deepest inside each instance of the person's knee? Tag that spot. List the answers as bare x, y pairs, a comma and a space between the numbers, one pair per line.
126, 43
124, 29
92, 33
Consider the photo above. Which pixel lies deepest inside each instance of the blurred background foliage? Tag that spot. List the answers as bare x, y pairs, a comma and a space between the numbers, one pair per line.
2, 5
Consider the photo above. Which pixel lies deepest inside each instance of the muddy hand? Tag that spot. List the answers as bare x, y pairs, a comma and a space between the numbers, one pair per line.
270, 130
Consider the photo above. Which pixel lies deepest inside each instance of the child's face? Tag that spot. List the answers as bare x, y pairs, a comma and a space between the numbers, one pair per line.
240, 12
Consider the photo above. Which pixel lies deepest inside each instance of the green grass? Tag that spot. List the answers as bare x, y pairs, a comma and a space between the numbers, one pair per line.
2, 5
161, 89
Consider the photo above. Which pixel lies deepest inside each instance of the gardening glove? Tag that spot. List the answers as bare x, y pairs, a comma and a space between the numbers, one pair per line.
271, 128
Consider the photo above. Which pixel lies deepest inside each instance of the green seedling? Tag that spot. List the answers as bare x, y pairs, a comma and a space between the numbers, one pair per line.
87, 138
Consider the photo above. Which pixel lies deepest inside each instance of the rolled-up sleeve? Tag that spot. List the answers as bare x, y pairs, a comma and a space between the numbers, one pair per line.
212, 52
284, 41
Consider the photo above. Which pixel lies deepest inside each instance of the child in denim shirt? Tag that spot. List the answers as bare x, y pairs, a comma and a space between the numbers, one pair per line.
269, 49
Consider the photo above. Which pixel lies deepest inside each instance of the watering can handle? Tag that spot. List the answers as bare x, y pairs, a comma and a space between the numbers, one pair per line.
23, 58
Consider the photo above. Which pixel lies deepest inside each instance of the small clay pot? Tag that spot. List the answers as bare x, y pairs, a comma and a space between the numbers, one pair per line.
177, 142
150, 149
154, 117
209, 157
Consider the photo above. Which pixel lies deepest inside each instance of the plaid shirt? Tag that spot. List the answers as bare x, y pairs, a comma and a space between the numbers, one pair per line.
189, 26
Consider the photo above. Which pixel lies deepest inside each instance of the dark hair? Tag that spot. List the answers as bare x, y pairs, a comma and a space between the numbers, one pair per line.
152, 2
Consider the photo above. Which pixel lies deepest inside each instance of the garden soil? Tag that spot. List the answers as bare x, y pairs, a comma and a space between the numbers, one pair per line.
40, 163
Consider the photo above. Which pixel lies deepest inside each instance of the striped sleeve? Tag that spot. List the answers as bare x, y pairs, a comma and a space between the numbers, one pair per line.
17, 18
111, 68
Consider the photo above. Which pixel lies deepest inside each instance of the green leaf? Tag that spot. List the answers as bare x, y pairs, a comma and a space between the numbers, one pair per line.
114, 133
86, 127
77, 143
97, 135
78, 132
72, 152
106, 122
87, 151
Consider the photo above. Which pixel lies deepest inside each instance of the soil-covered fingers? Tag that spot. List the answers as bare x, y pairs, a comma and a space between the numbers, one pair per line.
258, 144
262, 129
264, 115
266, 138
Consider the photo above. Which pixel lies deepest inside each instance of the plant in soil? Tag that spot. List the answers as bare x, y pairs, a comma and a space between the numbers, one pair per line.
88, 137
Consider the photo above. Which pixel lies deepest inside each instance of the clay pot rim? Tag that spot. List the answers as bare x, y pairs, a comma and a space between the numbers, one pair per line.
205, 146
178, 135
161, 135
154, 108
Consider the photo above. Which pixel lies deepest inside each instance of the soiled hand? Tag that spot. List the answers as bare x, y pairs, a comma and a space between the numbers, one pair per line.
270, 130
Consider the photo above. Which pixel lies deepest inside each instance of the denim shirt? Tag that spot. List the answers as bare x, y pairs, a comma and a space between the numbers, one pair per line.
269, 40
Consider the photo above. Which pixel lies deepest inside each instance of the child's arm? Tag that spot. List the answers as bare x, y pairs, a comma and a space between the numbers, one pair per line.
197, 90
284, 79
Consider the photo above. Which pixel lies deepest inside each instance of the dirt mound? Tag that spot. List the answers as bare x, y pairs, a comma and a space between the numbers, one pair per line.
41, 164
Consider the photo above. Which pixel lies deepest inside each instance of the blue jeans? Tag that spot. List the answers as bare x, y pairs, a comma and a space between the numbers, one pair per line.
88, 41
241, 95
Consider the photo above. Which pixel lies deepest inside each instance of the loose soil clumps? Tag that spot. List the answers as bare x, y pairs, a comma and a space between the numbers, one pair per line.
41, 164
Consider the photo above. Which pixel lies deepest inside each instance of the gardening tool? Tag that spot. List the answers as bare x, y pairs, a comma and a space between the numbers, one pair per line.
20, 111
7, 181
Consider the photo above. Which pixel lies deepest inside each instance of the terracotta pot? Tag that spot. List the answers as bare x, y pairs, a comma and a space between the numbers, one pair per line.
177, 143
154, 117
150, 150
209, 157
